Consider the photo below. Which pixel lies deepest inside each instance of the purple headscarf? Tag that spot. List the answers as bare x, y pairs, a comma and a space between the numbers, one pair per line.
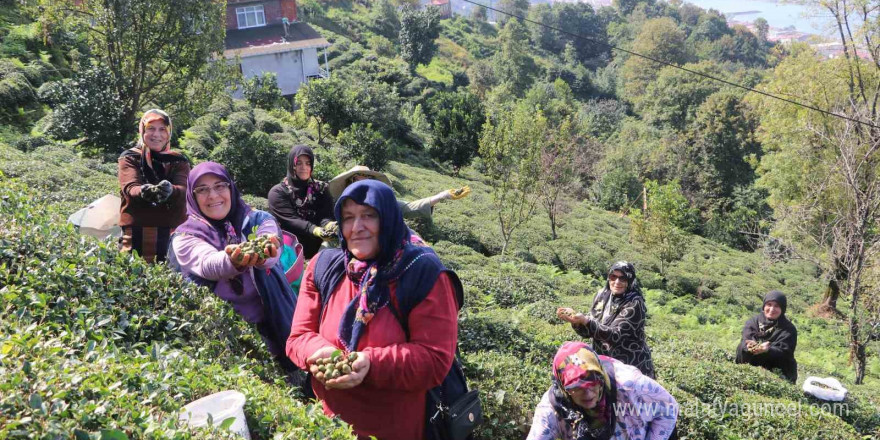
215, 232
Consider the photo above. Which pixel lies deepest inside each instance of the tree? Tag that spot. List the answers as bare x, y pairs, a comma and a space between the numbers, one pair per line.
510, 150
518, 8
564, 156
762, 28
479, 13
152, 48
660, 38
88, 107
672, 99
570, 18
418, 30
659, 229
262, 91
513, 63
384, 19
825, 190
458, 118
365, 146
324, 101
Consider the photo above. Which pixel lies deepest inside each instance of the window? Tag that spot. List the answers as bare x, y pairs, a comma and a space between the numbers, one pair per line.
250, 16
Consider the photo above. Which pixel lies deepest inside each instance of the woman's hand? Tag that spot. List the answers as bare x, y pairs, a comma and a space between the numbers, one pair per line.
760, 348
271, 250
323, 352
239, 260
568, 314
359, 369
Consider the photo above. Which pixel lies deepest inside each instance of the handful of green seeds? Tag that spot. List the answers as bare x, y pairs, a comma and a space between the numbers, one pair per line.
256, 246
334, 366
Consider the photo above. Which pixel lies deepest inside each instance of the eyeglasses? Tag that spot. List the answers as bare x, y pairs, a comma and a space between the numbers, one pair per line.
612, 278
204, 190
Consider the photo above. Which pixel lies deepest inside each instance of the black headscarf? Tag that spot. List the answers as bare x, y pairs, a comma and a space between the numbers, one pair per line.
633, 287
767, 326
295, 153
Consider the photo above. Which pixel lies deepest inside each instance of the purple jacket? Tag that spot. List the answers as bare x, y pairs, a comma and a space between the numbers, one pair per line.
200, 258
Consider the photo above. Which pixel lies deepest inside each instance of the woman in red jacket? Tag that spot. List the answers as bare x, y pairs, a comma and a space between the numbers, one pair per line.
375, 271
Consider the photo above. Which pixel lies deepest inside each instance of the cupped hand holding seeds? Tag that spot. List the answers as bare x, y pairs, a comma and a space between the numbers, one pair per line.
568, 314
337, 370
253, 252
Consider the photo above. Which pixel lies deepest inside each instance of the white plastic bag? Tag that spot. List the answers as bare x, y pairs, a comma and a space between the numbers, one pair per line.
99, 219
835, 391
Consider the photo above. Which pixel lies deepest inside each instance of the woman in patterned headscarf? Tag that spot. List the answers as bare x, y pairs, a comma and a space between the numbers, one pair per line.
152, 185
596, 397
303, 205
616, 321
357, 299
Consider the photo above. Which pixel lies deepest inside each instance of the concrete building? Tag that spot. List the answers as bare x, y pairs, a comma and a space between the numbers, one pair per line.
266, 37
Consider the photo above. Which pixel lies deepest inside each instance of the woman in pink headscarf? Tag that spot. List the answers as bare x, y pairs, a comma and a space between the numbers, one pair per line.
596, 397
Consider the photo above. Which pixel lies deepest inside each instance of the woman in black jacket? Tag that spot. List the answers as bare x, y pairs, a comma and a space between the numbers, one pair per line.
769, 338
301, 204
616, 321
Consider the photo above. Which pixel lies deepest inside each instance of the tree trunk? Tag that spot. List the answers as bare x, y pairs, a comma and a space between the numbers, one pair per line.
830, 296
860, 358
553, 227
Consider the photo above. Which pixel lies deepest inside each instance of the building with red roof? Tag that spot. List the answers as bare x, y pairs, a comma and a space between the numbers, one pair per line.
266, 37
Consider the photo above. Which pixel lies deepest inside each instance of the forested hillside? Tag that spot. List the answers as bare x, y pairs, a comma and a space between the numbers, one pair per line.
578, 155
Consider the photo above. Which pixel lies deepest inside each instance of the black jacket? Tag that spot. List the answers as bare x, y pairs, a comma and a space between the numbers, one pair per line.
298, 216
621, 334
783, 340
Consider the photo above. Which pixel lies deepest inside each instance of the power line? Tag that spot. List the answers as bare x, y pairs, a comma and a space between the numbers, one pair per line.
666, 63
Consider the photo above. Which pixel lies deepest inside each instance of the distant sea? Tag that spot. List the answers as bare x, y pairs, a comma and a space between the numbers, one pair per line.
778, 15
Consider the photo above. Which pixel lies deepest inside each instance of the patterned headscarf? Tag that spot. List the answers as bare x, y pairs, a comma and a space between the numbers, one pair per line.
397, 254
153, 174
576, 365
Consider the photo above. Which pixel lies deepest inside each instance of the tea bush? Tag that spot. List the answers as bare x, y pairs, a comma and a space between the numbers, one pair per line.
94, 341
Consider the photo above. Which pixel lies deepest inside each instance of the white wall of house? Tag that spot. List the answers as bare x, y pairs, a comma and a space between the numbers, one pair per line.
290, 67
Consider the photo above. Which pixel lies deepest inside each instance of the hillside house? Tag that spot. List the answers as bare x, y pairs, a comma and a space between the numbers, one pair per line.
267, 37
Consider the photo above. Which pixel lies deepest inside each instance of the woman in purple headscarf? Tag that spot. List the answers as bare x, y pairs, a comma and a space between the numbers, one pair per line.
204, 249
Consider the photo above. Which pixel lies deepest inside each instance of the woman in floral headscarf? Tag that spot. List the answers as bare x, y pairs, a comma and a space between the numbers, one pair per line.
303, 205
356, 299
152, 185
616, 321
596, 397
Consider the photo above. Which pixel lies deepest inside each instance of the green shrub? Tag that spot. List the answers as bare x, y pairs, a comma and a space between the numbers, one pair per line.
239, 125
266, 122
256, 162
513, 290
31, 143
365, 146
127, 347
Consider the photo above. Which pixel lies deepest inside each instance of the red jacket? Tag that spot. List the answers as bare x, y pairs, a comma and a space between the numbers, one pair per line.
390, 402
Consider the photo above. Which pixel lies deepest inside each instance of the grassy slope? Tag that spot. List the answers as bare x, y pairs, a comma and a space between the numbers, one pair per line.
693, 340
